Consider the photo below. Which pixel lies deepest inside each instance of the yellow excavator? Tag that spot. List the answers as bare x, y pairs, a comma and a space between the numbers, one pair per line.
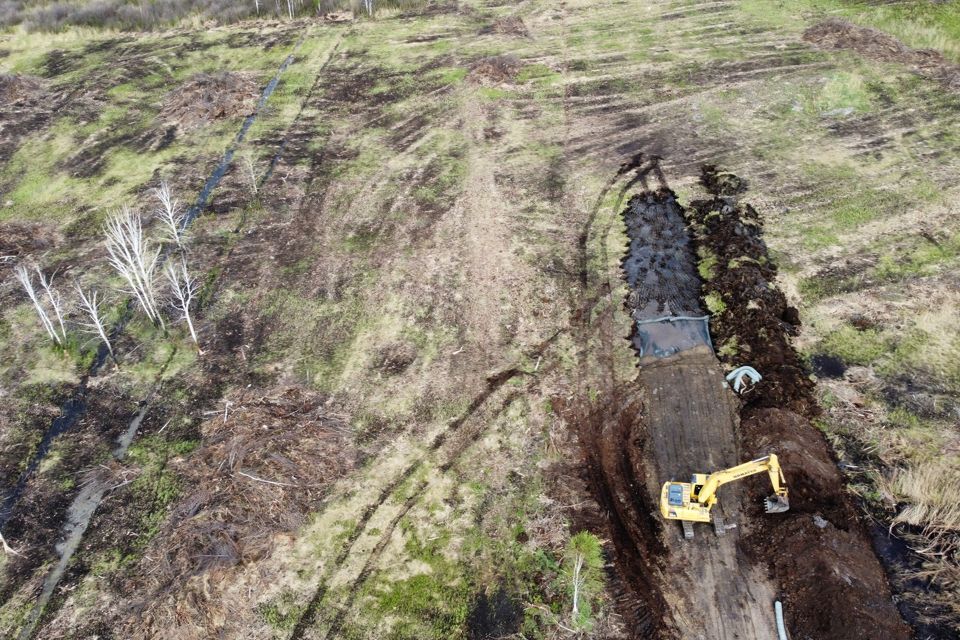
691, 502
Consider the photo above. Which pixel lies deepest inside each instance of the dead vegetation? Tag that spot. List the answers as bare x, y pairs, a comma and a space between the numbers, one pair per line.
930, 522
207, 97
510, 25
21, 238
495, 70
264, 464
836, 33
17, 87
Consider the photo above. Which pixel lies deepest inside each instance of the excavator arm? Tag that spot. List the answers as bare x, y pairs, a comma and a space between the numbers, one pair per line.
691, 501
777, 503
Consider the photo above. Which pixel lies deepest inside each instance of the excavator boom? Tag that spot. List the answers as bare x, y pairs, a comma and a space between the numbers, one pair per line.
692, 501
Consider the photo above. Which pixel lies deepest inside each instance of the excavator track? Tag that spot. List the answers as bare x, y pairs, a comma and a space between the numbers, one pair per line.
719, 526
687, 529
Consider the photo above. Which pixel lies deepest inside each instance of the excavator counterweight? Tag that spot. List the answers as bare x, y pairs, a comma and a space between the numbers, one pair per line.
692, 501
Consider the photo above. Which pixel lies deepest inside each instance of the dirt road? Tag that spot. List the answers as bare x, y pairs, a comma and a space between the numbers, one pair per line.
692, 418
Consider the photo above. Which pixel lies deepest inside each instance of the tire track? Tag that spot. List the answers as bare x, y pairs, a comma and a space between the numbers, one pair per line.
374, 557
493, 384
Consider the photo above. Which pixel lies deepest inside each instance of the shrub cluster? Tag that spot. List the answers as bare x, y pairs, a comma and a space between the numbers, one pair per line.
132, 15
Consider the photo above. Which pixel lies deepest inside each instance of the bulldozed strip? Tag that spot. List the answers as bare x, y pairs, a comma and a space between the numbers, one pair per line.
819, 553
679, 416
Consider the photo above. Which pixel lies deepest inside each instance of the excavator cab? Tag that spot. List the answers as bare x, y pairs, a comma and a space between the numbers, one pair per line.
675, 495
692, 501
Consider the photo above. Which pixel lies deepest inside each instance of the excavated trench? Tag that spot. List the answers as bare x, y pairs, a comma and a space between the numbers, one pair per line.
679, 416
664, 301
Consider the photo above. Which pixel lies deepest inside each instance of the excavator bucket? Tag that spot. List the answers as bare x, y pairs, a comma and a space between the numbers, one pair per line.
776, 504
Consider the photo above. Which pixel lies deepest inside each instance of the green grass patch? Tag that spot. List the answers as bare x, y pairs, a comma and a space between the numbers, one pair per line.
283, 612
844, 90
854, 346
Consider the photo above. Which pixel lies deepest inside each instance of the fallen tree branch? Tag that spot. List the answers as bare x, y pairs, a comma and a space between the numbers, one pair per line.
7, 548
279, 484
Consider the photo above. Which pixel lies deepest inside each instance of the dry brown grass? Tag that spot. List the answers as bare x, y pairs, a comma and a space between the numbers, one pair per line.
932, 510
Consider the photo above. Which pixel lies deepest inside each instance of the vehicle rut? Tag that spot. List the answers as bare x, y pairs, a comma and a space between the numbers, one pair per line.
493, 384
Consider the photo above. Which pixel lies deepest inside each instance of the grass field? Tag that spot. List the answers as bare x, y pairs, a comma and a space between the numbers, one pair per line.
399, 262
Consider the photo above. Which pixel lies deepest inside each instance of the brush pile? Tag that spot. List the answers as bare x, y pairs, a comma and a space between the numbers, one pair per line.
207, 97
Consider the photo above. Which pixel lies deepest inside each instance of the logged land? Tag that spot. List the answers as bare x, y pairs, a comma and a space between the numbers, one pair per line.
421, 407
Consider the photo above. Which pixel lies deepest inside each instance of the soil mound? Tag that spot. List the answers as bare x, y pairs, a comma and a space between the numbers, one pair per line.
15, 88
877, 45
511, 26
495, 70
752, 322
833, 586
208, 97
263, 466
816, 484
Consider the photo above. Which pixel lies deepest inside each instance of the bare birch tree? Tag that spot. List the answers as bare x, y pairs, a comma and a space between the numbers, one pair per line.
170, 214
53, 296
251, 173
183, 287
23, 276
90, 303
133, 257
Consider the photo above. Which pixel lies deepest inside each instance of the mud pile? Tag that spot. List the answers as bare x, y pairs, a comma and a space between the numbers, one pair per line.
16, 87
510, 25
207, 97
23, 238
752, 322
831, 582
877, 45
659, 263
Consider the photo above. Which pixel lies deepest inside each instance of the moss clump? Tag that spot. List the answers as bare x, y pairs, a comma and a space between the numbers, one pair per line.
707, 266
715, 303
281, 613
